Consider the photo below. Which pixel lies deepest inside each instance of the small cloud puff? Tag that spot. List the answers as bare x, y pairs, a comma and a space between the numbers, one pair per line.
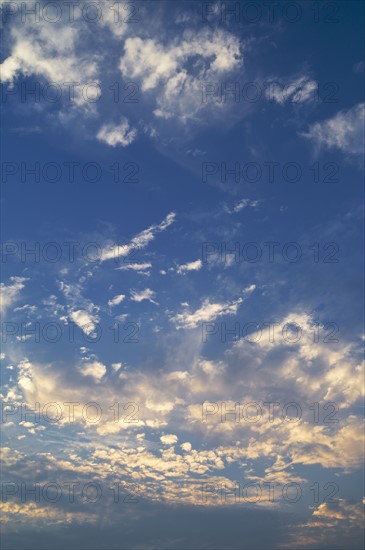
169, 439
117, 134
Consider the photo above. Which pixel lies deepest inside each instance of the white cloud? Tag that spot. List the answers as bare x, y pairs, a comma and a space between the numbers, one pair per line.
117, 134
54, 52
240, 205
140, 268
116, 366
116, 300
82, 311
175, 71
85, 320
190, 266
169, 439
207, 312
139, 241
170, 72
344, 131
300, 90
94, 369
146, 294
165, 402
10, 293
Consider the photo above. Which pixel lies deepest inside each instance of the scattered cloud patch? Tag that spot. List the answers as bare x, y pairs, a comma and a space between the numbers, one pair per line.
344, 131
169, 439
116, 300
146, 294
209, 311
117, 134
190, 266
9, 293
139, 241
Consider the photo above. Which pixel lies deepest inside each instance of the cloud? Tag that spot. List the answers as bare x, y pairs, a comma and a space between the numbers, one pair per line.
54, 52
116, 366
116, 300
118, 134
9, 294
139, 241
86, 320
146, 294
300, 90
95, 369
336, 524
173, 73
209, 311
344, 131
80, 310
140, 268
34, 515
268, 371
168, 439
169, 71
240, 205
190, 266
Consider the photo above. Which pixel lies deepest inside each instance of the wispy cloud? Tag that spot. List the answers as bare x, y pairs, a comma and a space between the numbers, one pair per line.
344, 131
139, 241
190, 266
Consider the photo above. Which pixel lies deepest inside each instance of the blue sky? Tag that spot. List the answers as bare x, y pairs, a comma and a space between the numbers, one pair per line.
182, 227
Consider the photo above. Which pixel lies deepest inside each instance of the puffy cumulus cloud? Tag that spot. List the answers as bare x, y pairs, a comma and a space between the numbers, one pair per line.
146, 294
117, 134
153, 400
55, 52
168, 439
174, 72
117, 17
170, 71
309, 445
9, 293
85, 320
297, 349
95, 369
285, 446
303, 372
207, 312
190, 266
344, 131
141, 240
172, 400
116, 366
155, 474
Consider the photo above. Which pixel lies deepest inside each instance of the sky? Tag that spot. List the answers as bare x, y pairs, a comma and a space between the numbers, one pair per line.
182, 275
